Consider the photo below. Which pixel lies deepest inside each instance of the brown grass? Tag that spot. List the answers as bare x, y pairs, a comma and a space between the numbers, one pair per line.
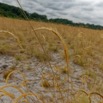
85, 49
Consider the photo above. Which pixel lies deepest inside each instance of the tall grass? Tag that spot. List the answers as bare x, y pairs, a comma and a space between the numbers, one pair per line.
45, 53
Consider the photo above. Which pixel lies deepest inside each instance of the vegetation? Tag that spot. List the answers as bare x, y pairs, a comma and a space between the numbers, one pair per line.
85, 50
15, 12
70, 62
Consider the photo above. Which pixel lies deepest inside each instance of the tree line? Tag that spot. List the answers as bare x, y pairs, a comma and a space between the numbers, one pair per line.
15, 12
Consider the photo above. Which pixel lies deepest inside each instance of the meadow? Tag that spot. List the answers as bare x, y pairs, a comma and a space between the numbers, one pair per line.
54, 63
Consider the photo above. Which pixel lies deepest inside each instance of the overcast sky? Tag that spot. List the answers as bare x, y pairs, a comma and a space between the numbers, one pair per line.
87, 11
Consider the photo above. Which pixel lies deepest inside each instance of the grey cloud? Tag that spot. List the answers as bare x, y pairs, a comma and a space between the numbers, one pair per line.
100, 4
88, 9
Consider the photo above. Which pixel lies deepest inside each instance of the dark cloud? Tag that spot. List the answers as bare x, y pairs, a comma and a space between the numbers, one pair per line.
87, 11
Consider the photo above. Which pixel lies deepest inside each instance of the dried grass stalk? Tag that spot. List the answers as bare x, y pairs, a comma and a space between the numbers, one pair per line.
14, 36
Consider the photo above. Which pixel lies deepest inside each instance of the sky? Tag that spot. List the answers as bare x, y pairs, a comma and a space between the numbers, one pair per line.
84, 11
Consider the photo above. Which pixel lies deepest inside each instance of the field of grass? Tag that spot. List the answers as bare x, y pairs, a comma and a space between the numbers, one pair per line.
78, 80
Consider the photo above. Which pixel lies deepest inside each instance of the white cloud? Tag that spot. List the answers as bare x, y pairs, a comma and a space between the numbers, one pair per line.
87, 11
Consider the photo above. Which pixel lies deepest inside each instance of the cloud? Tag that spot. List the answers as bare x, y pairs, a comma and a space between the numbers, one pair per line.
87, 11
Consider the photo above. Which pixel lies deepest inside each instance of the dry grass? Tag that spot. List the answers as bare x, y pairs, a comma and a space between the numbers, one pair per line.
85, 49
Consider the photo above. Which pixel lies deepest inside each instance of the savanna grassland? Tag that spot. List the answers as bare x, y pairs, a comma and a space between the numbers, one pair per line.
35, 70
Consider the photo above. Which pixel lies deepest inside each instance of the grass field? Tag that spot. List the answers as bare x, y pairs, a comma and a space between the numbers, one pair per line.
57, 83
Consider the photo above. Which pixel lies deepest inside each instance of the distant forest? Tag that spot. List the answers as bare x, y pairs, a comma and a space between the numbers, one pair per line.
16, 12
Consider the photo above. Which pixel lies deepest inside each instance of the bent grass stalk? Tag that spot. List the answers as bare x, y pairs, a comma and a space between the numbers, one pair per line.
23, 94
5, 93
61, 39
89, 95
14, 36
21, 84
23, 76
12, 96
95, 93
12, 86
64, 47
